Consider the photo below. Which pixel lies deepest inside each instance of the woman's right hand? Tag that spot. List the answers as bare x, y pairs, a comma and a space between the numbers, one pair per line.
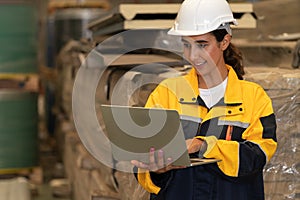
158, 165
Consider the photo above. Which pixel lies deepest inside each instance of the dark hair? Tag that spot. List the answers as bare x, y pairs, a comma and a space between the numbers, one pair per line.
232, 55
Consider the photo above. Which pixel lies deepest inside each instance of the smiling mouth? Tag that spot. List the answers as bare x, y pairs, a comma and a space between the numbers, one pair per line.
198, 64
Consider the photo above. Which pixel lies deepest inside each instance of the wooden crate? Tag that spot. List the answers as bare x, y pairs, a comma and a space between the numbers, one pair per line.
59, 4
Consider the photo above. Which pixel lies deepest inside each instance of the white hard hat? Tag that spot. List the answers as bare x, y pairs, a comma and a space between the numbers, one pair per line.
197, 17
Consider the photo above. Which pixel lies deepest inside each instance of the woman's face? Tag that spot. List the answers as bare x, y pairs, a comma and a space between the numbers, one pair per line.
204, 52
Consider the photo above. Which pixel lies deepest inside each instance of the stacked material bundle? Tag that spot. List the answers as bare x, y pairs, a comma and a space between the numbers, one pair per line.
158, 16
282, 172
18, 86
18, 42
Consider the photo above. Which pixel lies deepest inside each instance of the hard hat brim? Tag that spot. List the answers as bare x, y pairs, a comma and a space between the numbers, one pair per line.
175, 32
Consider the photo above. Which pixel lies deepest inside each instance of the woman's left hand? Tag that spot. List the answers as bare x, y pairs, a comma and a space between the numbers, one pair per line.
194, 145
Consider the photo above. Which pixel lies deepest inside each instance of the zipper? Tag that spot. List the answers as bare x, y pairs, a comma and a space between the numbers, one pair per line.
229, 132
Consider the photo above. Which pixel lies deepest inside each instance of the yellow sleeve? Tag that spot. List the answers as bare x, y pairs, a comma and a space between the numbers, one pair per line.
227, 151
145, 180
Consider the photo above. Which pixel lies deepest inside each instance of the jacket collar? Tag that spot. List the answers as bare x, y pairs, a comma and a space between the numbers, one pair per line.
233, 93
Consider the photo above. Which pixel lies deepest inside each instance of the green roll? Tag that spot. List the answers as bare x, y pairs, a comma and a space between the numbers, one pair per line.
18, 130
18, 38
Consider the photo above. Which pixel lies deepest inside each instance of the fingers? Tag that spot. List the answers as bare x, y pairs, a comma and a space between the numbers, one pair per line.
189, 142
194, 145
169, 161
140, 164
152, 163
168, 167
156, 163
160, 159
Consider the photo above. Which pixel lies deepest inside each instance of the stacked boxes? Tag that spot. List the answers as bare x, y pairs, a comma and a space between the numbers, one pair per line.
281, 174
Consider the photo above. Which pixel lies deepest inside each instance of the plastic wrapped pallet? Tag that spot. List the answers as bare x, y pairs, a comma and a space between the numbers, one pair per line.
129, 188
282, 173
87, 175
69, 61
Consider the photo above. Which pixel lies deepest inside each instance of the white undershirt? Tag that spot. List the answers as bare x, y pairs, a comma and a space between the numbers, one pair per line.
213, 95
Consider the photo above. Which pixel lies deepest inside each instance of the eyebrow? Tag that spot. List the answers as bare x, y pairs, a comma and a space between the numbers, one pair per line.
201, 41
183, 40
196, 41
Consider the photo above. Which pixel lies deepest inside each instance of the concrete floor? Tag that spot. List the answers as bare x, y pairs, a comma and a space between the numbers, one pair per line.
46, 184
45, 192
53, 170
50, 161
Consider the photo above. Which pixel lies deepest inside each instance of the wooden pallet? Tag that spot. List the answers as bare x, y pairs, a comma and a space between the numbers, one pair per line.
149, 16
59, 4
129, 11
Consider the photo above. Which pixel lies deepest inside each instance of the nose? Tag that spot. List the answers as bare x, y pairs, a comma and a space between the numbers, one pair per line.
194, 54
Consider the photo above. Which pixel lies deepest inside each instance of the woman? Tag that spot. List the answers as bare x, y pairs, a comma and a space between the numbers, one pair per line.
223, 116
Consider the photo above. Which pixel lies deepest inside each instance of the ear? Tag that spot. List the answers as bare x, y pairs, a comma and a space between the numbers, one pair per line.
225, 42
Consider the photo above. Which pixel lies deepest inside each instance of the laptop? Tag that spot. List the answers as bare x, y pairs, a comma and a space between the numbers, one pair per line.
132, 131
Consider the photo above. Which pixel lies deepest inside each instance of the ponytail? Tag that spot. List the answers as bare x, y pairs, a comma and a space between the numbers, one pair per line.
232, 55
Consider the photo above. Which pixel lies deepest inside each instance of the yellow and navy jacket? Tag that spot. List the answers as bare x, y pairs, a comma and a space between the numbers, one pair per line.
240, 130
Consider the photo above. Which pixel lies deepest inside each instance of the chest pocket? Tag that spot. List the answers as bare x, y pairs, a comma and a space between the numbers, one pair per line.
233, 128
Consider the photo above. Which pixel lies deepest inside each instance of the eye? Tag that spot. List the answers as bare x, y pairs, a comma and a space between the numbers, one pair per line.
186, 45
201, 45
